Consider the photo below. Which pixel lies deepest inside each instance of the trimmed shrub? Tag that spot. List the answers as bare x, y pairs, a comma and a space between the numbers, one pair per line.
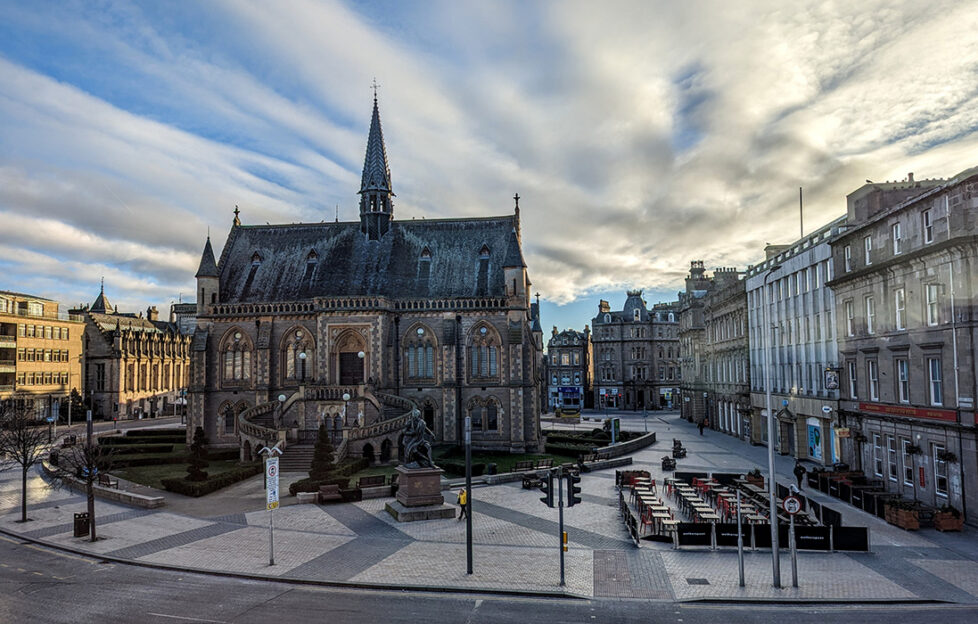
152, 433
312, 485
212, 484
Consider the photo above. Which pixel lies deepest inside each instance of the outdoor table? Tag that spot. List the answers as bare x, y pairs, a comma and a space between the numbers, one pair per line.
709, 517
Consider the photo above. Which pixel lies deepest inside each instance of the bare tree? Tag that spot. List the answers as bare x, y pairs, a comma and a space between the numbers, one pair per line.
23, 441
82, 462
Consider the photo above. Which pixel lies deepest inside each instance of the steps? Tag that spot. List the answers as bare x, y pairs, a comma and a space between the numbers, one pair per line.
296, 458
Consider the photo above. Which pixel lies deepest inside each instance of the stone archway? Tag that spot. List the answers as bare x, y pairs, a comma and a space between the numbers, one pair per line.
368, 453
247, 451
385, 451
349, 365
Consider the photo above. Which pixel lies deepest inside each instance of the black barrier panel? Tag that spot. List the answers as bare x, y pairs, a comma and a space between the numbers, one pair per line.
782, 491
856, 497
783, 543
693, 534
823, 482
727, 534
813, 480
816, 510
762, 535
851, 538
831, 516
689, 476
812, 538
869, 502
833, 488
845, 492
725, 478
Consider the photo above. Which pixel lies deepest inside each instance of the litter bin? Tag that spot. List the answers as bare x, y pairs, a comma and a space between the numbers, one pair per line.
490, 468
81, 524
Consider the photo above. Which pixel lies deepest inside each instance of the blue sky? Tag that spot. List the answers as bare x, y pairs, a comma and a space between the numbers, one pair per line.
640, 135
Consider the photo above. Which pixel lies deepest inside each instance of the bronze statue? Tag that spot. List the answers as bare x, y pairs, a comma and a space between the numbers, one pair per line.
417, 442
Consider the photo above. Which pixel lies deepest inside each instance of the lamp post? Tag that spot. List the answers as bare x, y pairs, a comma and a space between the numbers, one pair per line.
281, 409
776, 555
346, 399
302, 367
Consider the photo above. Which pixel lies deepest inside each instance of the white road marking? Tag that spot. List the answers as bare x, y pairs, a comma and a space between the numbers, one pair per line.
188, 619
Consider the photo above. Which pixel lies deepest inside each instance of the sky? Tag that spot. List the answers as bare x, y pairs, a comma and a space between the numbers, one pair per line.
639, 135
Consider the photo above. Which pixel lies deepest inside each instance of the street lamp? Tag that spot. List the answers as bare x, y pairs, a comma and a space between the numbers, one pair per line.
302, 366
346, 399
776, 561
281, 409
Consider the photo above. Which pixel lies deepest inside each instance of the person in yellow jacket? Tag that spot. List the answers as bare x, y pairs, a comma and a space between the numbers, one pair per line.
462, 500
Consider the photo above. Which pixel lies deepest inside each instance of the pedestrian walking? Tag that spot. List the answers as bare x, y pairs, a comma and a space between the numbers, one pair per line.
799, 472
462, 501
702, 425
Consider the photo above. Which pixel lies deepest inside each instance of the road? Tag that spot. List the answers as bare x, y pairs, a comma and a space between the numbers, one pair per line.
42, 585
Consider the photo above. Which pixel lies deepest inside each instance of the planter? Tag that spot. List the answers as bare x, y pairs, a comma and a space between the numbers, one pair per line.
906, 519
945, 521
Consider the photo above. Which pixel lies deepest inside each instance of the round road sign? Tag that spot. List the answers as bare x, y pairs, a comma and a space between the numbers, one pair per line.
792, 505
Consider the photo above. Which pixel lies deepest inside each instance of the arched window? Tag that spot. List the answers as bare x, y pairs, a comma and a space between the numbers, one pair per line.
236, 350
419, 354
298, 354
484, 414
483, 353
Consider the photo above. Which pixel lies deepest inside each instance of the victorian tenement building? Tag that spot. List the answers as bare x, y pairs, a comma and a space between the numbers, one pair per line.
569, 354
905, 283
726, 353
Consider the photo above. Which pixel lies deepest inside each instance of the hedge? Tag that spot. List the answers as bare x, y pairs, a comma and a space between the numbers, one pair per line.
312, 485
568, 449
133, 449
212, 484
140, 433
458, 468
130, 462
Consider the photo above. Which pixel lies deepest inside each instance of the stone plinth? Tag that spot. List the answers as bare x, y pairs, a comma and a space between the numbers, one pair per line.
425, 512
419, 487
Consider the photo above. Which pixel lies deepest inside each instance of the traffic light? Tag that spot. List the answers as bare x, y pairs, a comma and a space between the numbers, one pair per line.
547, 487
573, 489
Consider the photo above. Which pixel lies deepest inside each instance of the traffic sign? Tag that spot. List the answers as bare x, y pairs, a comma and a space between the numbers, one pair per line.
791, 504
271, 476
826, 409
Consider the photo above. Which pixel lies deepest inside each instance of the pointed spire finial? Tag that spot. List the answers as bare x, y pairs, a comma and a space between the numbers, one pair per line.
102, 288
337, 213
375, 86
237, 220
517, 198
538, 299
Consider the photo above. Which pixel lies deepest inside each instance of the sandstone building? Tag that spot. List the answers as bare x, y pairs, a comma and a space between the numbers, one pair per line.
351, 324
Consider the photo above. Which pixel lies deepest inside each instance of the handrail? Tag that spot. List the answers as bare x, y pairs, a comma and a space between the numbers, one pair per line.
379, 428
255, 430
396, 401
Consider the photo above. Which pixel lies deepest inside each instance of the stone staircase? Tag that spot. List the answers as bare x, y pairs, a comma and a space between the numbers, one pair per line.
296, 458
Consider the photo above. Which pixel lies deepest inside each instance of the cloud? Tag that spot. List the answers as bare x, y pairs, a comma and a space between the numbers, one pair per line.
640, 135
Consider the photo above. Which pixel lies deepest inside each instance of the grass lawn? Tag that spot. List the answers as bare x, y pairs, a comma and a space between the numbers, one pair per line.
504, 461
153, 475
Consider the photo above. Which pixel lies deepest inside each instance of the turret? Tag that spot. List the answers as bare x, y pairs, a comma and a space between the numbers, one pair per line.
376, 193
208, 280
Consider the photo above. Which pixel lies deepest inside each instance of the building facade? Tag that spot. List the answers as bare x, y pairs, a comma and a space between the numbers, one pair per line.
792, 288
569, 369
666, 366
906, 273
694, 388
727, 354
353, 324
40, 352
135, 366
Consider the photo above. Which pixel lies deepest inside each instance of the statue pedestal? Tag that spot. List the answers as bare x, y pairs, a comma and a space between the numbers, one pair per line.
419, 496
417, 487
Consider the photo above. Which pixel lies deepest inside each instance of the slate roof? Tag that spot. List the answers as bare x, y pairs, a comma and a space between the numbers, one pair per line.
108, 323
101, 303
276, 263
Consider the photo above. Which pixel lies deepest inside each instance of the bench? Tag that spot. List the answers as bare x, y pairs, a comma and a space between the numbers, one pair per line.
678, 452
105, 480
371, 481
523, 465
329, 492
70, 440
544, 463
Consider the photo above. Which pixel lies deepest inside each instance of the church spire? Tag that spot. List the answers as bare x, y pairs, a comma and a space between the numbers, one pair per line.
376, 207
101, 304
208, 267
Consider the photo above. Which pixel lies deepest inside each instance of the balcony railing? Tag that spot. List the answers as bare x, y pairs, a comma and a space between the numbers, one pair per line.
59, 316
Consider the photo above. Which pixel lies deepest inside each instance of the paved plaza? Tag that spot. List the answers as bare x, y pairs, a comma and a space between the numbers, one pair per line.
515, 540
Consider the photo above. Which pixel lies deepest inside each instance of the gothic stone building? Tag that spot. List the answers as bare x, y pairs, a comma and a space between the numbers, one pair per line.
351, 324
135, 366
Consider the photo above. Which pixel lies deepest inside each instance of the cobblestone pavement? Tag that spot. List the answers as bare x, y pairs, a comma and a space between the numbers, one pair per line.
515, 540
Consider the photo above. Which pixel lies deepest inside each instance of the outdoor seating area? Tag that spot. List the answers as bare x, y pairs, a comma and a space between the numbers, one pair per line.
700, 509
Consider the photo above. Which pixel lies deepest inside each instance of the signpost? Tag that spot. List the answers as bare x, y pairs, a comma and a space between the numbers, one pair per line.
271, 494
792, 505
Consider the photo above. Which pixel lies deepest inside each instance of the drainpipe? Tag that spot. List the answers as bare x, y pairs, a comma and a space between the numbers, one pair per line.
397, 355
458, 378
954, 347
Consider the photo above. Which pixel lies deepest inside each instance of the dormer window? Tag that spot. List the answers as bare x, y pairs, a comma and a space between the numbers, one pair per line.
484, 252
607, 318
426, 253
256, 259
